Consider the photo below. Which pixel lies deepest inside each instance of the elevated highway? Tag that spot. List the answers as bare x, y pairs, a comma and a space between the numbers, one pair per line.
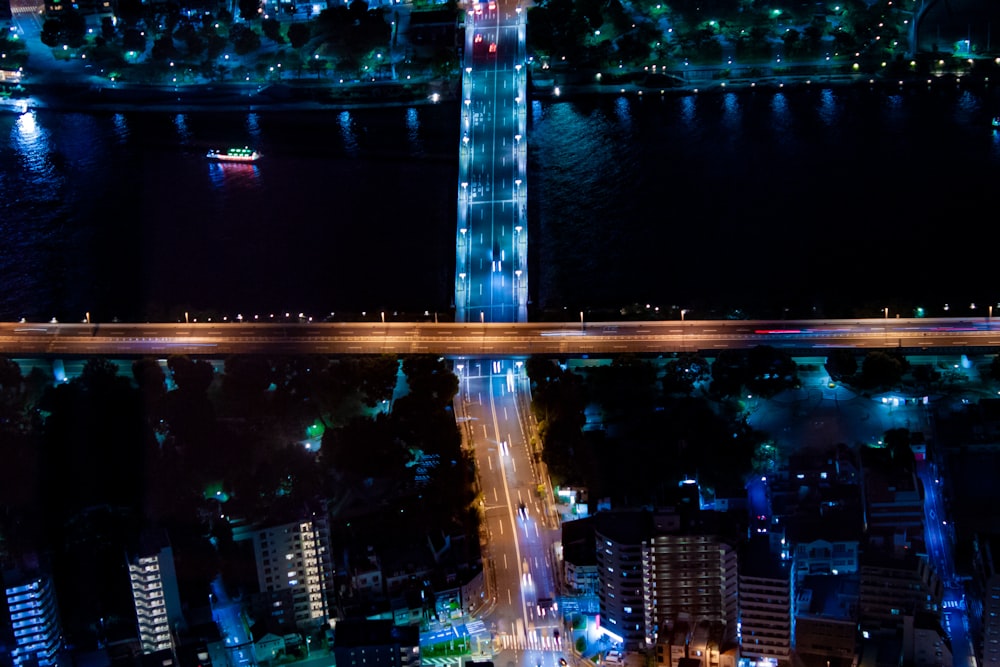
492, 340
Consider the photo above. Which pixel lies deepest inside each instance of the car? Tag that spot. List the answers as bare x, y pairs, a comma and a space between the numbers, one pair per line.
522, 511
493, 47
562, 661
492, 6
478, 39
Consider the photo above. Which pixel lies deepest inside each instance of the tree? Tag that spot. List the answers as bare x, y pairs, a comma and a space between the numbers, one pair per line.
134, 40
680, 374
729, 372
883, 369
770, 370
163, 48
10, 374
107, 28
376, 377
149, 377
194, 376
245, 380
67, 29
249, 10
244, 39
430, 377
626, 386
272, 30
364, 447
790, 38
130, 12
841, 364
298, 34
995, 368
926, 375
193, 41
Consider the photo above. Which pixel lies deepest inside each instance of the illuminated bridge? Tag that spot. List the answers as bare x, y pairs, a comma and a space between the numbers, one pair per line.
496, 340
491, 267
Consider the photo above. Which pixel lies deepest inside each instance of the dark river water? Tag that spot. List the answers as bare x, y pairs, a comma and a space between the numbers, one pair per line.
811, 200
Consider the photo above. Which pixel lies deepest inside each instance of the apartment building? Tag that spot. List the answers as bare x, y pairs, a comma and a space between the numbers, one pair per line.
34, 619
155, 593
765, 595
296, 557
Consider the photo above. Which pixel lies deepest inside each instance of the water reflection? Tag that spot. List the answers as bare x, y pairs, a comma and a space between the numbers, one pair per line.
779, 109
32, 143
413, 131
623, 112
348, 133
731, 111
689, 110
121, 127
828, 111
536, 111
967, 108
180, 124
253, 126
229, 175
895, 111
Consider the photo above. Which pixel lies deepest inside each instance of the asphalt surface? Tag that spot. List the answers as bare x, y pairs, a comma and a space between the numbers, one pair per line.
494, 340
523, 619
491, 275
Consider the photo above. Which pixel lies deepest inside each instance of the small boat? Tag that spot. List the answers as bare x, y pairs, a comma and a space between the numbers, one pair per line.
245, 154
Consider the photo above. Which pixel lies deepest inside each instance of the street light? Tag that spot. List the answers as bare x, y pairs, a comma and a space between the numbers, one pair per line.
886, 311
684, 311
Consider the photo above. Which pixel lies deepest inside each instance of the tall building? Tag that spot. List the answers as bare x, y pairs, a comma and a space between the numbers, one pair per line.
893, 502
825, 623
621, 538
34, 618
154, 590
765, 604
656, 569
893, 587
297, 557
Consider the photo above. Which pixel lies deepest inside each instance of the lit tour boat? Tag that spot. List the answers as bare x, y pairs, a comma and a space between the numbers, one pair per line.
245, 154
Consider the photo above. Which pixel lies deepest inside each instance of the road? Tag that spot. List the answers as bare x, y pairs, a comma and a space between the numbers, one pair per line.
490, 340
491, 271
939, 537
520, 528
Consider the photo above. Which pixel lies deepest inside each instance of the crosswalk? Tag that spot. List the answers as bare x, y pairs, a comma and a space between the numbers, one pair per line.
533, 641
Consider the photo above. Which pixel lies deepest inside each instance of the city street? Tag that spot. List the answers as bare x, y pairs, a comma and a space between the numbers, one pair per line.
523, 619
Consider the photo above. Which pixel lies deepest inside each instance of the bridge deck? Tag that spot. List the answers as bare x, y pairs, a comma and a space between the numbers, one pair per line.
491, 269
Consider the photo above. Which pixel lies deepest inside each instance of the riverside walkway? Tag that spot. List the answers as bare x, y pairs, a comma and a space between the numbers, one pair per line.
491, 268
